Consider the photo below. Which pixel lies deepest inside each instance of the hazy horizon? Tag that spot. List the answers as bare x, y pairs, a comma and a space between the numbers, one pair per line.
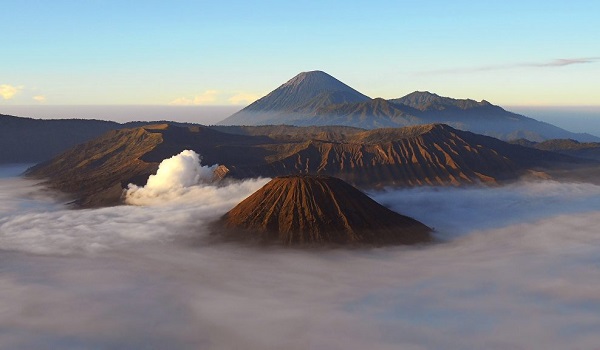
581, 119
124, 113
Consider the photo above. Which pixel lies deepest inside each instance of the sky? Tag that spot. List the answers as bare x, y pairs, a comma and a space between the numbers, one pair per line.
103, 52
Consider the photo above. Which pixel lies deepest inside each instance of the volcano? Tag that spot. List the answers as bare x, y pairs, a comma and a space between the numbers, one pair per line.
320, 209
297, 98
316, 98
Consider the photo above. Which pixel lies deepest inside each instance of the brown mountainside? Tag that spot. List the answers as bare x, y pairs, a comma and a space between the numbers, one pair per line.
434, 154
320, 209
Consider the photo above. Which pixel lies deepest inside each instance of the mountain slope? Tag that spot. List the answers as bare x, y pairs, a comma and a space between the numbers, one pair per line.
432, 154
482, 118
586, 150
27, 140
320, 209
316, 98
302, 94
427, 101
95, 172
371, 114
420, 155
420, 108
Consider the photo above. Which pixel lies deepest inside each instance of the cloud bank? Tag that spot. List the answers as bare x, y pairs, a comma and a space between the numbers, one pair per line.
519, 268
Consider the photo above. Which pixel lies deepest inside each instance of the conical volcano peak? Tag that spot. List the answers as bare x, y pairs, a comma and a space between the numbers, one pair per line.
313, 83
305, 209
316, 77
298, 97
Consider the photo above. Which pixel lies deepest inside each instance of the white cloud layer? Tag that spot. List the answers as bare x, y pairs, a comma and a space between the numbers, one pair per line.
520, 269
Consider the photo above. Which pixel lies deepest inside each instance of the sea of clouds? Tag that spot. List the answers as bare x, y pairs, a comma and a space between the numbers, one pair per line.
516, 267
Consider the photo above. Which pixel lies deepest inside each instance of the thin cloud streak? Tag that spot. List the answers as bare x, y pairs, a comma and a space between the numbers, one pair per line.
562, 62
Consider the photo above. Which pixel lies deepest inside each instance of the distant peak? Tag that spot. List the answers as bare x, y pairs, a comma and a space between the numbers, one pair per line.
423, 93
314, 75
425, 100
313, 72
303, 94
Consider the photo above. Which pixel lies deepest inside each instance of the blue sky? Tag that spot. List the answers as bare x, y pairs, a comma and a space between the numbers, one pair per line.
97, 52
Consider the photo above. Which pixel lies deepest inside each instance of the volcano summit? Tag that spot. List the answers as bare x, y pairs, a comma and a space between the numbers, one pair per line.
320, 209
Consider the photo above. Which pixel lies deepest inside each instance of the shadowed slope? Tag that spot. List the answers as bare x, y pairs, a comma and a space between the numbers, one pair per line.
587, 150
371, 114
25, 140
302, 94
321, 209
482, 118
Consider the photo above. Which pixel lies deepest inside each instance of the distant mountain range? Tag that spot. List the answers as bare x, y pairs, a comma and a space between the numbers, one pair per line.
589, 150
317, 98
309, 99
435, 154
28, 140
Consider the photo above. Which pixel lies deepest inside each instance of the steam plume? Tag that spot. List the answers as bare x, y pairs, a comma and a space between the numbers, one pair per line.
174, 177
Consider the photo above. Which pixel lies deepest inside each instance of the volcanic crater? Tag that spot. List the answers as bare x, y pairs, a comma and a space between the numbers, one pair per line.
313, 209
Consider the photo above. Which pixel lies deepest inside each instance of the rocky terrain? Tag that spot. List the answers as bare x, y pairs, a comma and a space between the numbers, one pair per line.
434, 154
303, 209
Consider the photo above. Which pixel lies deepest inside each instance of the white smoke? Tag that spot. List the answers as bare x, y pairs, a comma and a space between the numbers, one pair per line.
174, 178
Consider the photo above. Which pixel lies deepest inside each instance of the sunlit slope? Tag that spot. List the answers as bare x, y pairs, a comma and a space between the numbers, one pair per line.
433, 154
319, 209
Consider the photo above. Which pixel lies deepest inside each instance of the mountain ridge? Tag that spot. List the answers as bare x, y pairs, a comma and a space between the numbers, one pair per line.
327, 106
433, 154
302, 93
